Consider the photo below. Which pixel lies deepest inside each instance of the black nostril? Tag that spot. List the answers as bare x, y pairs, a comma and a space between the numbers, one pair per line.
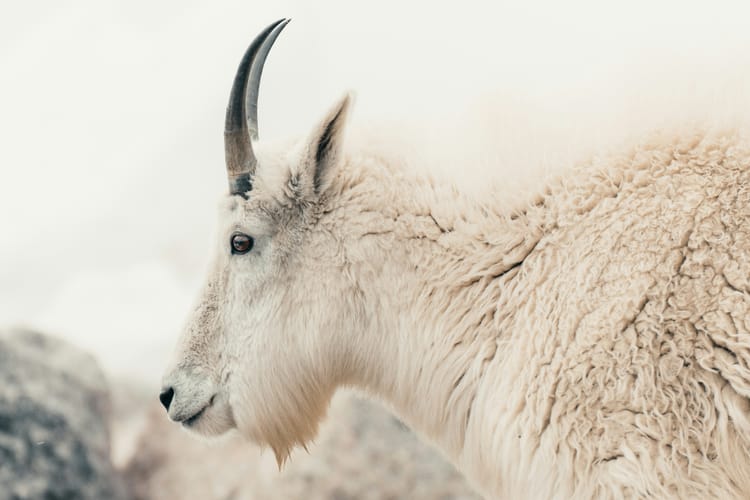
166, 397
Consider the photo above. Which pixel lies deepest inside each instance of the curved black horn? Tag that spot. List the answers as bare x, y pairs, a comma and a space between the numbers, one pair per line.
241, 124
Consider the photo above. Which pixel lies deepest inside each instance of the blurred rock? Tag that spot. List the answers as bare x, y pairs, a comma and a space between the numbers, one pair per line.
54, 412
363, 452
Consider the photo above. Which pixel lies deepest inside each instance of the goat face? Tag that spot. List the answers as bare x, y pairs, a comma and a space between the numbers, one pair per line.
258, 354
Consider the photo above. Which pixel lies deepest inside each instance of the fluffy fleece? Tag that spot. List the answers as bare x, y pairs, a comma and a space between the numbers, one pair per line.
590, 343
593, 344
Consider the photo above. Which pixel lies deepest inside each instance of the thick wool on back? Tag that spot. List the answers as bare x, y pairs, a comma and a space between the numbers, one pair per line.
590, 343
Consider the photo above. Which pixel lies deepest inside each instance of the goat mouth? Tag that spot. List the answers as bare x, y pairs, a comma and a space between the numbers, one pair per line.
191, 420
188, 422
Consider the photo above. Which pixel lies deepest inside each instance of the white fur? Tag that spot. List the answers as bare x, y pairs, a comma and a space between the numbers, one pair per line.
589, 342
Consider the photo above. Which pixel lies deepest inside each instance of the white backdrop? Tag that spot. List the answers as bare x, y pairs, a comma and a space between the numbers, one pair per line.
111, 116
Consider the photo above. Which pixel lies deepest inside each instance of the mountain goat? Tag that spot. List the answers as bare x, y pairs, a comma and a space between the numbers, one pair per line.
593, 343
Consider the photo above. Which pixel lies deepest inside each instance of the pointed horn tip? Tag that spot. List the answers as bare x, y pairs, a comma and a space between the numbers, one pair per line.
280, 25
241, 122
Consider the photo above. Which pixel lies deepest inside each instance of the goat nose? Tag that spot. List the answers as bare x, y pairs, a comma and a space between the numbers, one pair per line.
166, 397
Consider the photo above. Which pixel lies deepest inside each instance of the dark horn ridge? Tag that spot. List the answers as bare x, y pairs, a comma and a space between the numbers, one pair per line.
241, 123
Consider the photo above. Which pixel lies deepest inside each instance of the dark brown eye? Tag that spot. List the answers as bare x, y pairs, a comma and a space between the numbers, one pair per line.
241, 243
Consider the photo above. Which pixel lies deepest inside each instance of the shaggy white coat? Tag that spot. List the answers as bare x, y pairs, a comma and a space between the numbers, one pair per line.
591, 342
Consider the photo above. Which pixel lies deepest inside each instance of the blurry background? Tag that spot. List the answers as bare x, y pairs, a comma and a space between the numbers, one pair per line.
111, 116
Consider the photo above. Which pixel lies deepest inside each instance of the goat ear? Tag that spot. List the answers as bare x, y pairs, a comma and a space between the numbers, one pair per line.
324, 146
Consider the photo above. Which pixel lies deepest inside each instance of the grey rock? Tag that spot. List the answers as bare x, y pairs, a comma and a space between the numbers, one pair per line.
54, 412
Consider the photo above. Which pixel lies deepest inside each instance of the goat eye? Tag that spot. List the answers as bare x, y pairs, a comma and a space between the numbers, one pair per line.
241, 243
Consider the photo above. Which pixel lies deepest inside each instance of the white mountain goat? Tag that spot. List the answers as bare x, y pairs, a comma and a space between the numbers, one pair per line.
594, 343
